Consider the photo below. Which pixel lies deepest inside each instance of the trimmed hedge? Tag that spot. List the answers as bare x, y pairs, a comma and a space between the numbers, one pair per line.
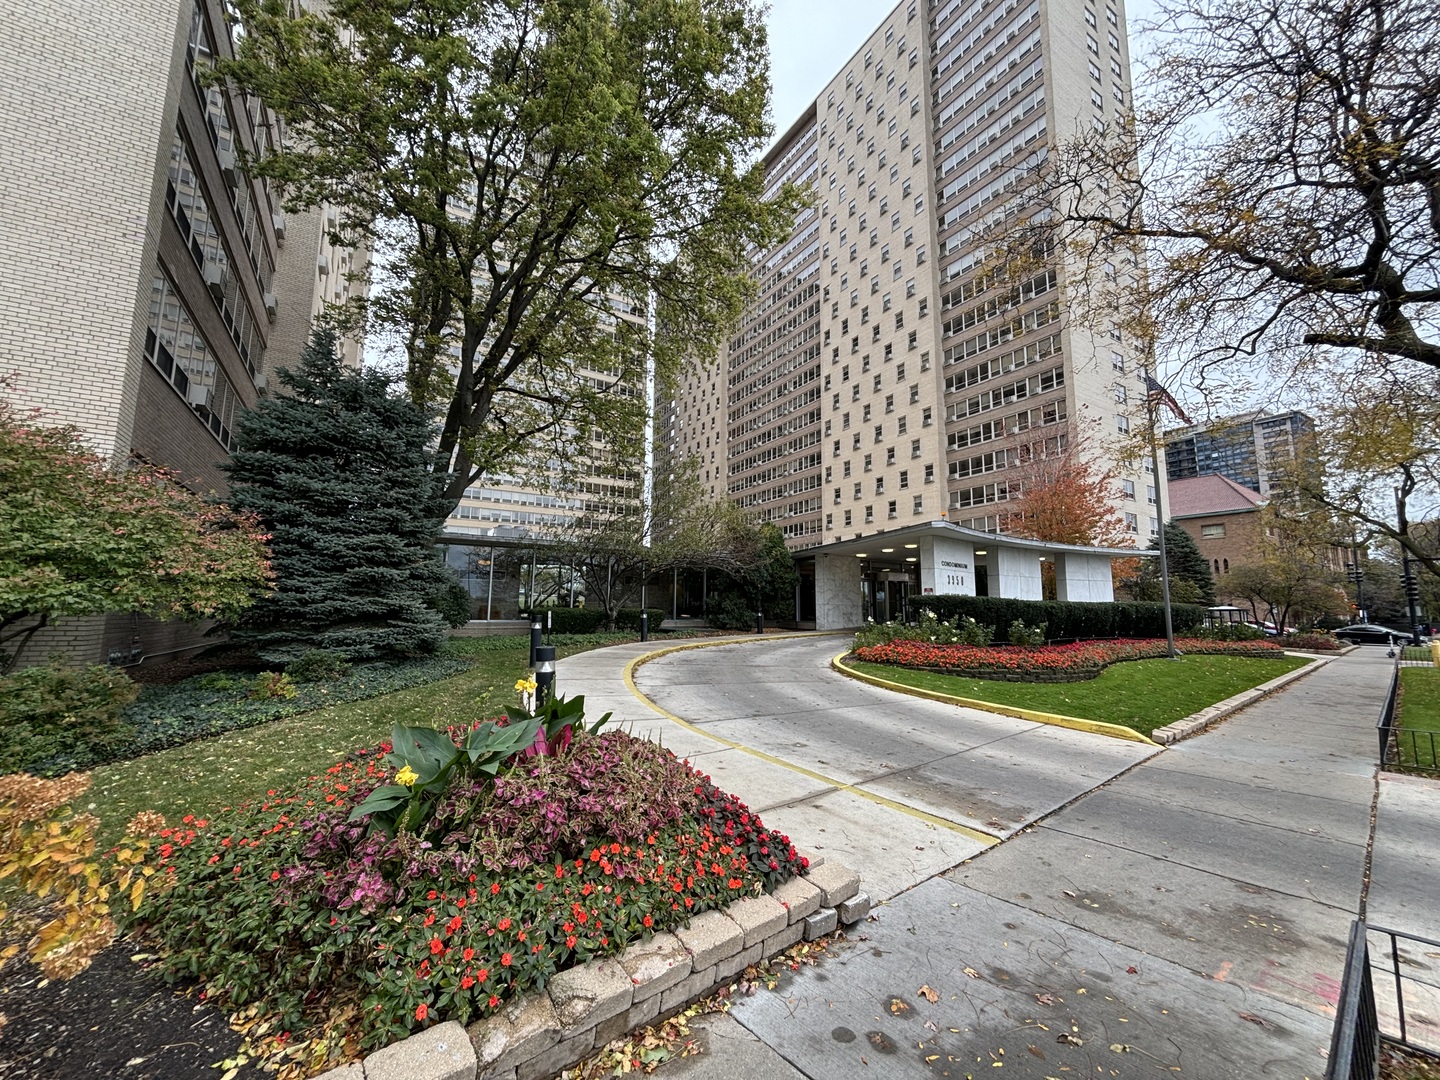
1064, 620
577, 620
629, 619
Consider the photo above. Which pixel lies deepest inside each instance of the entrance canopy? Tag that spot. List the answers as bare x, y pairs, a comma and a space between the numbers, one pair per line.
869, 577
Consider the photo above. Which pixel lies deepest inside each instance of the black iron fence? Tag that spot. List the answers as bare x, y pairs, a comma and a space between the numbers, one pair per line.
1390, 998
1409, 748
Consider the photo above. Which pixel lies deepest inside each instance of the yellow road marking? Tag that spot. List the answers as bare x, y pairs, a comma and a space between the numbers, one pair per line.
840, 785
1096, 727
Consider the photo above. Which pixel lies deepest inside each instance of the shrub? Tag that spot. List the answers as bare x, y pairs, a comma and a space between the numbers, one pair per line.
729, 611
961, 630
48, 851
629, 619
318, 665
273, 686
291, 906
219, 680
573, 620
1026, 637
1231, 632
1310, 642
54, 709
1066, 620
452, 601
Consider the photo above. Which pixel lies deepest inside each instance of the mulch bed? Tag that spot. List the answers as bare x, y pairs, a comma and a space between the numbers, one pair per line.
115, 1020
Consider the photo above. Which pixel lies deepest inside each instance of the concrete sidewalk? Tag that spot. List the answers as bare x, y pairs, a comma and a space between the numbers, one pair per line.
1187, 914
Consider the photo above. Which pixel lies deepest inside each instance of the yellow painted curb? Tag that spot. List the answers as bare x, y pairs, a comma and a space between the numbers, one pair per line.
839, 785
1095, 727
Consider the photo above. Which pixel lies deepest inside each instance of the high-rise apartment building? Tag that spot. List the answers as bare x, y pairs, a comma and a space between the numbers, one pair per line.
882, 378
148, 285
1252, 449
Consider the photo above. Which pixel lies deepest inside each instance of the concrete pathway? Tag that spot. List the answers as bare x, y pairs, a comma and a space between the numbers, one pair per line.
1183, 911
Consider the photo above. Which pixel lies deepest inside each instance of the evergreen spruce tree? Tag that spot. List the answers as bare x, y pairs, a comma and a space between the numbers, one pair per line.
338, 470
1186, 564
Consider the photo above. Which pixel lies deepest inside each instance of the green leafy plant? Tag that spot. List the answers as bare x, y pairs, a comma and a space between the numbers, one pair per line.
318, 665
219, 680
52, 709
1026, 636
273, 686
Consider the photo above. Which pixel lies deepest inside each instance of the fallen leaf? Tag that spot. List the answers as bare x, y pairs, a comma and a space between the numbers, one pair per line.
898, 1006
1067, 892
1131, 970
928, 994
1045, 999
1069, 1039
1120, 1048
972, 973
1036, 1051
1254, 1019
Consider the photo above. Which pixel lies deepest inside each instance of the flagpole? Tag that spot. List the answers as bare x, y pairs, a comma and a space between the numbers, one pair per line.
1152, 407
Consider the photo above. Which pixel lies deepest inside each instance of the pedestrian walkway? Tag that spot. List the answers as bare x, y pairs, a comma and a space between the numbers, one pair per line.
1189, 913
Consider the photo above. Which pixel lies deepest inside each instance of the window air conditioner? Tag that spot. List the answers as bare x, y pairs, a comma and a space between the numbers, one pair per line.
227, 167
278, 220
270, 304
199, 396
322, 264
215, 277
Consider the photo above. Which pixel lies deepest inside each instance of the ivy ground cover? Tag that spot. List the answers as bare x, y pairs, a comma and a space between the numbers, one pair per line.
344, 937
1143, 695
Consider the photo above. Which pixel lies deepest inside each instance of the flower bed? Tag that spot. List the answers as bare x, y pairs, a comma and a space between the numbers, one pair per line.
1049, 663
350, 936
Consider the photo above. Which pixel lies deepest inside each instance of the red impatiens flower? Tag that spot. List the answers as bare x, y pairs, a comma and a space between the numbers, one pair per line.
421, 1011
468, 954
505, 960
436, 946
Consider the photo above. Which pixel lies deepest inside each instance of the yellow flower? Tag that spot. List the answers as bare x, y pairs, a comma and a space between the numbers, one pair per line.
406, 776
525, 686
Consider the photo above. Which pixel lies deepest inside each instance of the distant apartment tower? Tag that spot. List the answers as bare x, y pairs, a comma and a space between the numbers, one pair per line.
879, 378
148, 285
1252, 449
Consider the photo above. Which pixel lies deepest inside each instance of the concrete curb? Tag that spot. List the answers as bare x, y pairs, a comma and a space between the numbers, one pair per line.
1075, 723
585, 1008
1198, 722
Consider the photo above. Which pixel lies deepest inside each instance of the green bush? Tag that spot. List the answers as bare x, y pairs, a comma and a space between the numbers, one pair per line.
1231, 632
928, 628
452, 601
53, 709
729, 611
1029, 637
1066, 620
565, 620
317, 665
629, 619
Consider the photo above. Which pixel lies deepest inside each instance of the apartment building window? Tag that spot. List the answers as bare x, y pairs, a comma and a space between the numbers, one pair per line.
1097, 101
1115, 334
1118, 95
910, 288
868, 463
1122, 425
889, 398
856, 444
1155, 527
927, 417
914, 448
889, 349
885, 303
1117, 361
911, 340
845, 422
890, 455
890, 511
1132, 523
837, 496
904, 475
901, 425
899, 320
899, 269
829, 522
1090, 19
1150, 494
869, 514
884, 251
1092, 44
847, 519
876, 386
1114, 42
857, 494
879, 485
1212, 532
899, 373
929, 474
915, 394
174, 344
1111, 18
845, 373
879, 433
874, 333
1115, 67
836, 451
1094, 70
920, 255
1127, 488
845, 472
1121, 394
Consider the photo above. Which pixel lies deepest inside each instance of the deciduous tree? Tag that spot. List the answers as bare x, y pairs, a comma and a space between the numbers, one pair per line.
81, 535
1281, 177
529, 172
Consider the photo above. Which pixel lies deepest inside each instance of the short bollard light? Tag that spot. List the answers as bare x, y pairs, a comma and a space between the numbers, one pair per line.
534, 638
759, 622
544, 675
644, 625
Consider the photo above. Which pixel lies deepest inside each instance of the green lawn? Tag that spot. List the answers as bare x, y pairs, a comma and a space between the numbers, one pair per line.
201, 777
1139, 694
1419, 711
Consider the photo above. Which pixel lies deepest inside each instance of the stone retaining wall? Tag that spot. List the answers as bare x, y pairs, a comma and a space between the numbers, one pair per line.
584, 1008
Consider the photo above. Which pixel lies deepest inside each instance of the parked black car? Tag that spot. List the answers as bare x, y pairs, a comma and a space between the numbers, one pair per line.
1370, 634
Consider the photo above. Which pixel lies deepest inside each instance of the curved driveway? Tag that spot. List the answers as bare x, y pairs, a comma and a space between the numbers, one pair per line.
868, 774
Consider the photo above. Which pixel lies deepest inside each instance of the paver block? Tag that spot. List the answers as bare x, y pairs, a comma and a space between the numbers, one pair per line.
759, 917
694, 985
781, 940
563, 1054
811, 859
799, 897
496, 1073
442, 1052
853, 910
655, 965
525, 1027
353, 1071
821, 923
710, 938
835, 882
583, 996
739, 962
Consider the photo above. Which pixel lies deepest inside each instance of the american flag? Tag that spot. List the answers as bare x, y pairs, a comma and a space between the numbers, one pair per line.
1156, 395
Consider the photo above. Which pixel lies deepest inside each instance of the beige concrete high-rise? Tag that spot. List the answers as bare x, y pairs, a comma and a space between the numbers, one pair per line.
879, 378
148, 285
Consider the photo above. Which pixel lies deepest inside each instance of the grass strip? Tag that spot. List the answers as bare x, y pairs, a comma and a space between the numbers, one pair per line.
1139, 694
1419, 715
